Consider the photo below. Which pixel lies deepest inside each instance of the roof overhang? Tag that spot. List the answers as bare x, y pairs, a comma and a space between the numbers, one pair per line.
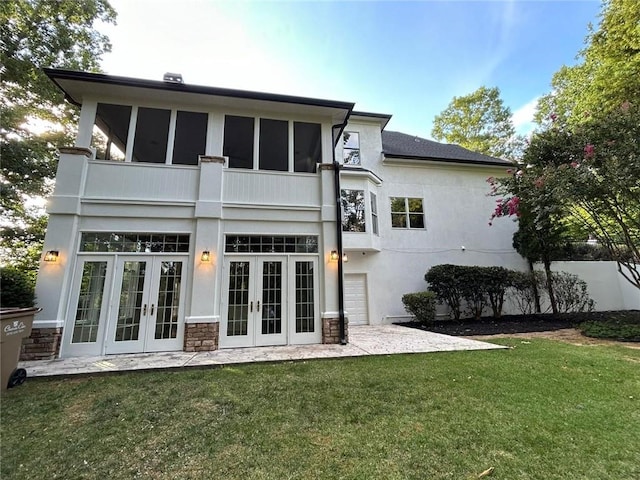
77, 86
381, 118
393, 158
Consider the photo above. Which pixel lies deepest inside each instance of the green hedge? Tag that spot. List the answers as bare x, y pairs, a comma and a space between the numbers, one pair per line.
16, 288
422, 305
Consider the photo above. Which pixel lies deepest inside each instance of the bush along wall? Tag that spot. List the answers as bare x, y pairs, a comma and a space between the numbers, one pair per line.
468, 290
422, 305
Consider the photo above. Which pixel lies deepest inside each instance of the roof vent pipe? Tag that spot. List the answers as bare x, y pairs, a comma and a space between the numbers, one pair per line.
173, 77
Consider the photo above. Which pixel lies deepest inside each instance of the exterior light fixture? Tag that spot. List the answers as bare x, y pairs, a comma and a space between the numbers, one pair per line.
51, 256
334, 256
345, 259
206, 256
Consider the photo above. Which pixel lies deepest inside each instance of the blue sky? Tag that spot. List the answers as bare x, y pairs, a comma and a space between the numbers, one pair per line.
408, 59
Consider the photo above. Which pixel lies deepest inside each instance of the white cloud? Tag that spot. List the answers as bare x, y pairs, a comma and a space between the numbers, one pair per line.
522, 118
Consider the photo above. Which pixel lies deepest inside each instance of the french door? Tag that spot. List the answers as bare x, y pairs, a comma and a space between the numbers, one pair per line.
269, 300
147, 305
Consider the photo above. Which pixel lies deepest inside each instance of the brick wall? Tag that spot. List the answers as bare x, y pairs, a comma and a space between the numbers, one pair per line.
331, 330
201, 337
43, 344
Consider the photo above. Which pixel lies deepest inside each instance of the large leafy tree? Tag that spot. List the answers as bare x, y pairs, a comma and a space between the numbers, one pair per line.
36, 34
607, 73
588, 176
480, 122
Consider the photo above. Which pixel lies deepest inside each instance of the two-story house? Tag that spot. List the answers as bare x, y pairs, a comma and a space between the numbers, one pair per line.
195, 218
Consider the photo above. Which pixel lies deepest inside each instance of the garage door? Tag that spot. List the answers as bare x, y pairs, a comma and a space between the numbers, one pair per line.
355, 298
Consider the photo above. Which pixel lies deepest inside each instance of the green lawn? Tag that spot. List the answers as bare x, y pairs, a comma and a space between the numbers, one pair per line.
543, 410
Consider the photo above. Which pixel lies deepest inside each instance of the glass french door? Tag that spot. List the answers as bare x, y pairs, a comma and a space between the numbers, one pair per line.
270, 300
255, 306
147, 305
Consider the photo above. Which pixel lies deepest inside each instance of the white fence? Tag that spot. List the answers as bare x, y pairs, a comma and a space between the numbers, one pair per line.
606, 286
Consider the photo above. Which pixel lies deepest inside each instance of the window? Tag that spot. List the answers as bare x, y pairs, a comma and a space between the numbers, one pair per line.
407, 212
111, 131
374, 213
271, 244
353, 211
351, 148
307, 151
190, 139
134, 242
274, 145
152, 135
238, 141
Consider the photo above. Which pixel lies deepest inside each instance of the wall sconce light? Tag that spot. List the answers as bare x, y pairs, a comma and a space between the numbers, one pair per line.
345, 259
51, 256
206, 256
334, 256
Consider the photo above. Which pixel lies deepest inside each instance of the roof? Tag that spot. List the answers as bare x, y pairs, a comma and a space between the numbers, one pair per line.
76, 85
383, 118
401, 145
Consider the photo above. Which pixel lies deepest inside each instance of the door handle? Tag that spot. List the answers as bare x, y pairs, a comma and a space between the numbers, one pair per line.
251, 306
152, 307
144, 309
258, 306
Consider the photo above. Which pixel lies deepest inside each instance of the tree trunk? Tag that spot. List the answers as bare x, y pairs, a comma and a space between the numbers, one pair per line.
536, 293
552, 296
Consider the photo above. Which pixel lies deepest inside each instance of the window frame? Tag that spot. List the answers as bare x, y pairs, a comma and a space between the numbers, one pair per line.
407, 213
346, 149
171, 135
360, 222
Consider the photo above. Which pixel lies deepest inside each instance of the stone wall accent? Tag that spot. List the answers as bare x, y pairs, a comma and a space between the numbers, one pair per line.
43, 344
331, 330
201, 337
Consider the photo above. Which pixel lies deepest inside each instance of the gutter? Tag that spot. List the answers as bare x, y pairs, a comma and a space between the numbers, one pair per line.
338, 129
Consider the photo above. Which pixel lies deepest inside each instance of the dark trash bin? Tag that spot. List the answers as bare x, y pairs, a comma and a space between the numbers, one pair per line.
16, 324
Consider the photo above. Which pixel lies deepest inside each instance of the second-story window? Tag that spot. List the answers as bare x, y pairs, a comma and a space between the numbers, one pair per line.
161, 135
351, 148
307, 151
353, 211
374, 213
190, 139
407, 212
274, 145
111, 131
238, 141
152, 135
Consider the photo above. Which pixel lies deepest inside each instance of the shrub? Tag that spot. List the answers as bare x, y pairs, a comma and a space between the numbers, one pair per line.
623, 326
571, 293
16, 288
445, 281
497, 281
472, 286
422, 305
523, 290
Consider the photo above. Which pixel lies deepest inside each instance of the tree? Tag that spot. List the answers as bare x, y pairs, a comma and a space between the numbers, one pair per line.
480, 122
588, 175
37, 34
606, 74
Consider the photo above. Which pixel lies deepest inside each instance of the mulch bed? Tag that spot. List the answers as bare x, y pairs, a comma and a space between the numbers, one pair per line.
506, 324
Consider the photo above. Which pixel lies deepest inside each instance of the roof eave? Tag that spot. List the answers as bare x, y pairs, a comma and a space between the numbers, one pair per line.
416, 158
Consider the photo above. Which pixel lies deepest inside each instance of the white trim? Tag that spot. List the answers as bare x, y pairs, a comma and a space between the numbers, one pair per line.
203, 319
329, 314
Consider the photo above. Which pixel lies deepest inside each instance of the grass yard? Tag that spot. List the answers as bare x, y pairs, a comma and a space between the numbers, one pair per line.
542, 410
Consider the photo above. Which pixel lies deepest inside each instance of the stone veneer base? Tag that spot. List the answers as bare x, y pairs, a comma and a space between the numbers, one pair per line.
43, 344
201, 337
331, 330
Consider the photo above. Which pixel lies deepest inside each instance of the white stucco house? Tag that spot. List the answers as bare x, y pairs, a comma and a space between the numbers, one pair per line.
195, 218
